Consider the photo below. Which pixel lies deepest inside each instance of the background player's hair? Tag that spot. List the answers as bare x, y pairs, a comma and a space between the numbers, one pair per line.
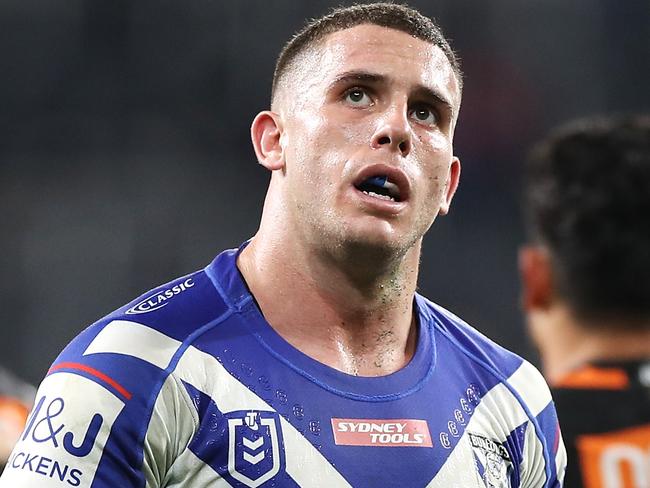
394, 16
587, 199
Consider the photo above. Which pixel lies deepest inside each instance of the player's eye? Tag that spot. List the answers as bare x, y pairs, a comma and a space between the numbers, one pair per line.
423, 114
358, 97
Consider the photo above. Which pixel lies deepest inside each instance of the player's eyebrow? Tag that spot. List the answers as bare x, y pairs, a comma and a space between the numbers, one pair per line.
420, 91
358, 76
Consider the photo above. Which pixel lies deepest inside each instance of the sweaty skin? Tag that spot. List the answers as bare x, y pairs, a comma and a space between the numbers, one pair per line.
366, 101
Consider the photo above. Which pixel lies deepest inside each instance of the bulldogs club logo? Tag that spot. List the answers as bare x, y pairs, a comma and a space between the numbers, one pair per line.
254, 451
492, 461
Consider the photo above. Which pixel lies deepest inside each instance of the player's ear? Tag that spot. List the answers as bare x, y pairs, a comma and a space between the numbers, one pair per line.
536, 278
451, 185
266, 131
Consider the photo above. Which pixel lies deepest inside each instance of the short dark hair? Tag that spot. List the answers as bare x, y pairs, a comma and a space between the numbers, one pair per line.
587, 200
394, 16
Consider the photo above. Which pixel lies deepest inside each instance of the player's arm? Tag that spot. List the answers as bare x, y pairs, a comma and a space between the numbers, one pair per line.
544, 460
545, 455
100, 420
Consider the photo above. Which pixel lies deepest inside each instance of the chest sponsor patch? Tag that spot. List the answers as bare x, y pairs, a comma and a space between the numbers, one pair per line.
381, 432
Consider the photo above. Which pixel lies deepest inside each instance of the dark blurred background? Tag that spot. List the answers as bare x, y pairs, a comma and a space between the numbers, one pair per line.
125, 157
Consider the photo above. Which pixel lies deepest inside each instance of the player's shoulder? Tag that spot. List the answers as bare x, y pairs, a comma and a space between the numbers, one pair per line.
517, 373
104, 387
159, 322
469, 341
176, 308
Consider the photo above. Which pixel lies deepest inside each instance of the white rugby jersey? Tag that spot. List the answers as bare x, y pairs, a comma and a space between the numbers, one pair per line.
189, 386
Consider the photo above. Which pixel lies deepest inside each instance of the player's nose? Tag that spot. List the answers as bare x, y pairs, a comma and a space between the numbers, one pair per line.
393, 131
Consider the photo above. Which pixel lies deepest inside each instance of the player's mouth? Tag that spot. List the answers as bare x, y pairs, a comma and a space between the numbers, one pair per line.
380, 187
384, 184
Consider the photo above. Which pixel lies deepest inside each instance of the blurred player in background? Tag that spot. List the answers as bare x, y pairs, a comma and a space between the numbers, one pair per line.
306, 357
16, 399
586, 293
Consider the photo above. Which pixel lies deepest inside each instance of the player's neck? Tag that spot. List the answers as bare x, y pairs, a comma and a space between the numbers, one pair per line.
358, 326
567, 344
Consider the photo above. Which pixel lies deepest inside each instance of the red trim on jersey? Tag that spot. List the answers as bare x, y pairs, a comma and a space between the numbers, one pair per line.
556, 441
93, 372
593, 377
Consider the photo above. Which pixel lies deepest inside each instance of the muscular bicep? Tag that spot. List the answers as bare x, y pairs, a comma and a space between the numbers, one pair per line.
67, 434
90, 428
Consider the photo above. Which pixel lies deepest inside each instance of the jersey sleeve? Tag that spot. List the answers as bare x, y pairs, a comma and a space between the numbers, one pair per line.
104, 416
544, 457
173, 423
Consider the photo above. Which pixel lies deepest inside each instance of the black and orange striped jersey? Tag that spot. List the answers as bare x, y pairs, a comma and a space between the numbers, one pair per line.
604, 411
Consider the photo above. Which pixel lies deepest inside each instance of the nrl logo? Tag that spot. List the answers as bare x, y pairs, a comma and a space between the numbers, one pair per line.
254, 454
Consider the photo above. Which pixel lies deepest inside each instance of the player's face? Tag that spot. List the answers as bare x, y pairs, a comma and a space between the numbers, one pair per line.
369, 120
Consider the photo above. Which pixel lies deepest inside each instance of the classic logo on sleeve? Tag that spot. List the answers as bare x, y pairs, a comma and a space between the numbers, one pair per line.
160, 299
62, 443
381, 432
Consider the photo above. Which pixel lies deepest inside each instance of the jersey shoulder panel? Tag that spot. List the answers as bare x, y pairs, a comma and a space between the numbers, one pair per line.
177, 308
472, 343
101, 396
527, 392
526, 382
148, 331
